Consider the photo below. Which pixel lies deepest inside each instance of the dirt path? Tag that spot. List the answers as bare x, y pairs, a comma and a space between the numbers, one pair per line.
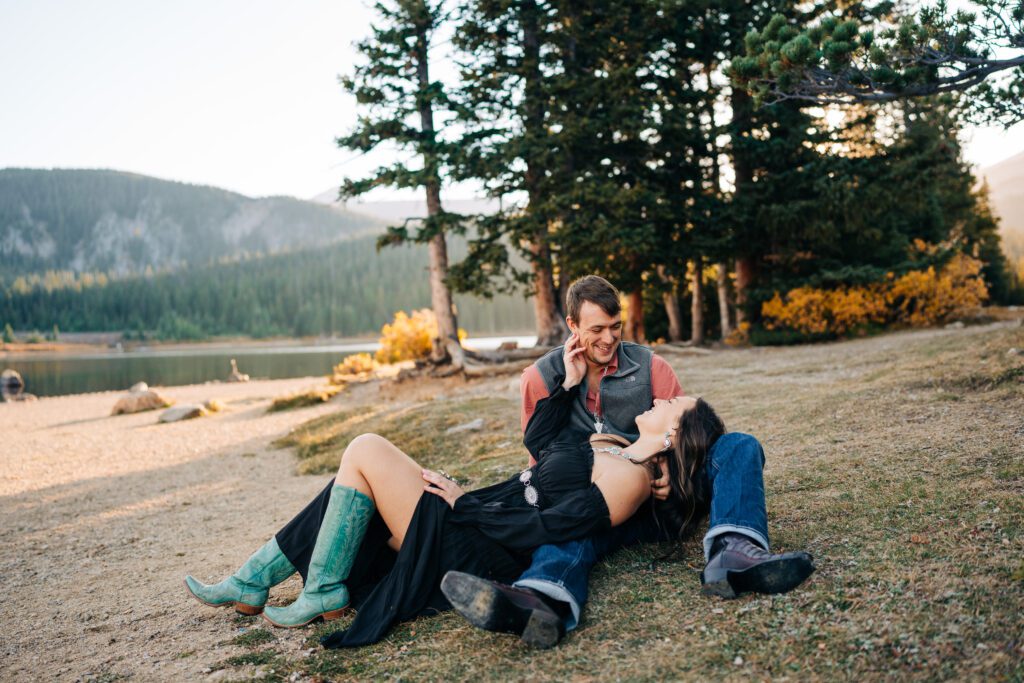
103, 516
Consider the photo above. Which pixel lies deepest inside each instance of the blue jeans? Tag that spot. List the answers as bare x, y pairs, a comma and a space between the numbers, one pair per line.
734, 471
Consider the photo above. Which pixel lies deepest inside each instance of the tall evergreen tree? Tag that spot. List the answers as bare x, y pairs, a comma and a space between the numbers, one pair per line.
507, 144
399, 100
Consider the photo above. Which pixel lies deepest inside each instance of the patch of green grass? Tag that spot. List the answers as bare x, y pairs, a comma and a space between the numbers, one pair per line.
909, 498
252, 658
254, 637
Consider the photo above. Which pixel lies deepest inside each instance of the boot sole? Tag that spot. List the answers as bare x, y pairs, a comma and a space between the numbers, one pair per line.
770, 578
240, 607
326, 616
489, 609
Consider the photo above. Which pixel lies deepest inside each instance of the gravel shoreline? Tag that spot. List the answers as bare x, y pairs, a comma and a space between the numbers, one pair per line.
103, 516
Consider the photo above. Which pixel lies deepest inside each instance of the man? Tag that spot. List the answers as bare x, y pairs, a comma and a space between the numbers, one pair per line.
617, 381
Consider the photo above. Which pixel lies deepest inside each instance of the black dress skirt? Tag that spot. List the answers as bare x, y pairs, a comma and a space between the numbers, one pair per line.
491, 533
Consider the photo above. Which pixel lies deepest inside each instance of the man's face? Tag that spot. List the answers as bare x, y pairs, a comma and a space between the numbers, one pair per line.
599, 333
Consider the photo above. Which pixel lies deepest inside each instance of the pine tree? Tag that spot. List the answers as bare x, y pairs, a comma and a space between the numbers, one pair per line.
976, 48
399, 102
506, 98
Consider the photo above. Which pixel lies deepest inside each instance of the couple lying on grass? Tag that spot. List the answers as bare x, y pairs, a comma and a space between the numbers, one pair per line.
618, 456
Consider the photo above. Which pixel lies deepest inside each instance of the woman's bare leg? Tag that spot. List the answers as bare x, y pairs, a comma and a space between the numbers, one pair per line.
377, 468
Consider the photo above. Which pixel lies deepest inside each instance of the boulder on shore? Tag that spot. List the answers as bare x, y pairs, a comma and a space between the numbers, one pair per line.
11, 386
139, 401
187, 411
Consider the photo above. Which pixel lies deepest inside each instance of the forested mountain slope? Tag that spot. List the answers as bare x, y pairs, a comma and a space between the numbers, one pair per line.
1006, 188
121, 223
348, 288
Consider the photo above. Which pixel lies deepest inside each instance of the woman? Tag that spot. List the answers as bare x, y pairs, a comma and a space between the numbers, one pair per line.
577, 487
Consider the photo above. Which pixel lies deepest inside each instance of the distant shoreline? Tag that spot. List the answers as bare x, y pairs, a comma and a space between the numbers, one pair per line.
69, 348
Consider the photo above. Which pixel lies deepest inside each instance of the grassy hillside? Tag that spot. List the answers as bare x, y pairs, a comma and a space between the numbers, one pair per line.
898, 461
122, 223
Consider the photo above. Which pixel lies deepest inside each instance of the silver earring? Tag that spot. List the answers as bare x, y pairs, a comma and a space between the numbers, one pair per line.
668, 440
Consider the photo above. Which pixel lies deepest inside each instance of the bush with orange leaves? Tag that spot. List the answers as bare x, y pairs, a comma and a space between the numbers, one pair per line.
918, 298
407, 337
826, 311
355, 365
922, 298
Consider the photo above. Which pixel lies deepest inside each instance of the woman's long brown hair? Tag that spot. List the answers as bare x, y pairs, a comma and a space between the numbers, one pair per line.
690, 497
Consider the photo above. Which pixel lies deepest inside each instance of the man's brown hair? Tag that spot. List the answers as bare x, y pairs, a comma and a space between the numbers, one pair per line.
594, 289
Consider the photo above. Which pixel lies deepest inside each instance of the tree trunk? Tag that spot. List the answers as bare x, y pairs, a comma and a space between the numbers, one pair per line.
723, 299
697, 310
671, 300
742, 112
635, 317
446, 347
551, 327
744, 277
550, 324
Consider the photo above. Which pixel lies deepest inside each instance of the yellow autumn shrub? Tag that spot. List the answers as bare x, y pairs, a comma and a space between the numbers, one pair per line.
918, 298
356, 364
820, 311
407, 337
922, 298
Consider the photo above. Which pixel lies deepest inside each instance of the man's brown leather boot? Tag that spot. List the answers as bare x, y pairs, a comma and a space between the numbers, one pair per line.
493, 606
739, 565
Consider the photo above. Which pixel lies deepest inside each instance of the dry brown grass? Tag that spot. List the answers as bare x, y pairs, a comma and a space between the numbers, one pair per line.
898, 461
303, 399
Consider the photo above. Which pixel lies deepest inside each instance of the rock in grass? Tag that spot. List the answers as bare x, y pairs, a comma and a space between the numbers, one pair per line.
139, 401
471, 426
183, 412
213, 405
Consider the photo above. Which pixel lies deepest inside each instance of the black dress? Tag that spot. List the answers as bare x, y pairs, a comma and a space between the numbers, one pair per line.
491, 532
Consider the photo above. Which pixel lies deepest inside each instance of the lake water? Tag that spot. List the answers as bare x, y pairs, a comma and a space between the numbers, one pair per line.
59, 374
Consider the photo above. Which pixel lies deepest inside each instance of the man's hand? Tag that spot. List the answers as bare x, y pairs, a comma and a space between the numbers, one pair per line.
442, 486
660, 488
575, 363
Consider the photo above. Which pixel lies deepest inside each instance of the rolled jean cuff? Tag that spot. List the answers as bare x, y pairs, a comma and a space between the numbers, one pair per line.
719, 529
555, 591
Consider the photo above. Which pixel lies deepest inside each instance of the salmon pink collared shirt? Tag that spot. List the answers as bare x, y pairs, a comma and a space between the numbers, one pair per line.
664, 385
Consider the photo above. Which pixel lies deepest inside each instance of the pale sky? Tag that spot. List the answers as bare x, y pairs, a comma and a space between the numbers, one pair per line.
238, 94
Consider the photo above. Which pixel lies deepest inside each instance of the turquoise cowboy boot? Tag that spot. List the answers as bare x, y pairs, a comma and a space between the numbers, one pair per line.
325, 595
247, 588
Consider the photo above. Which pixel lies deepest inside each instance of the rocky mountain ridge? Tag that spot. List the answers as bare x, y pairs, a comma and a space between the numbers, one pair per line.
122, 223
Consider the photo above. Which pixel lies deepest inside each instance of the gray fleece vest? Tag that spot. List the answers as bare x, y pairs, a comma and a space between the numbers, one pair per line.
624, 394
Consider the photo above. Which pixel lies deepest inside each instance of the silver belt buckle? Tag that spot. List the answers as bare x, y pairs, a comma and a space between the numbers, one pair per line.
530, 492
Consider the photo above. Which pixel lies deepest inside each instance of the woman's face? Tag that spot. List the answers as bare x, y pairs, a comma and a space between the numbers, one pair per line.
664, 415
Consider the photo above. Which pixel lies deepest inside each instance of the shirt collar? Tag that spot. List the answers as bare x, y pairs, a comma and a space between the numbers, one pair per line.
613, 366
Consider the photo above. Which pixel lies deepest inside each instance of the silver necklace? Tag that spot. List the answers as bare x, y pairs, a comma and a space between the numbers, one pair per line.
615, 450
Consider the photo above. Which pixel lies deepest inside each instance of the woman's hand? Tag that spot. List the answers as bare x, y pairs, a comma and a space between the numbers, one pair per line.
442, 486
574, 361
660, 488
